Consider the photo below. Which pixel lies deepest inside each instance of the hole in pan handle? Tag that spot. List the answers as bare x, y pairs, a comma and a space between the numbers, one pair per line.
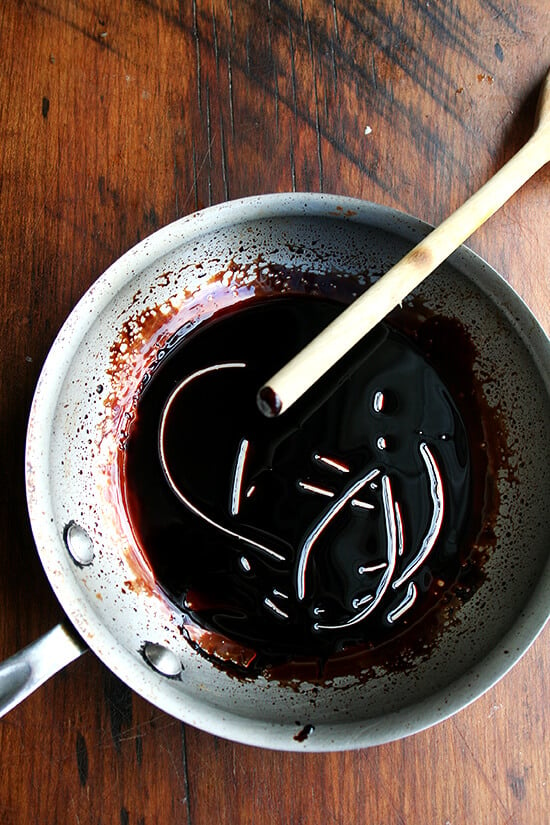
29, 668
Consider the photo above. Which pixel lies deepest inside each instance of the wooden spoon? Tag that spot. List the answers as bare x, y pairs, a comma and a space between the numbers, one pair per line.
299, 374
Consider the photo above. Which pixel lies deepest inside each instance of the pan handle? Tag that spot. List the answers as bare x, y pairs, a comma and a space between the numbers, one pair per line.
29, 668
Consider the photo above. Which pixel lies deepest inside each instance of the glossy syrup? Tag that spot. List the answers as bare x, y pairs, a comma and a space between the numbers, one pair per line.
338, 526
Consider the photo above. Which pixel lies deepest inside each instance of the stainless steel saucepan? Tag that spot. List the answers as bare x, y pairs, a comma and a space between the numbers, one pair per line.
84, 397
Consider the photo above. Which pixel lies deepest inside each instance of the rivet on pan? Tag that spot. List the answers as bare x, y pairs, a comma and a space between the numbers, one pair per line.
162, 659
78, 543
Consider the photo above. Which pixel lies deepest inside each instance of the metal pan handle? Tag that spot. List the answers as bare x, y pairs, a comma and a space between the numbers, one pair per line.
29, 668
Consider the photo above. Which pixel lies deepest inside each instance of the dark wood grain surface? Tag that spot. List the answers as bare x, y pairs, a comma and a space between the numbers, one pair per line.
116, 118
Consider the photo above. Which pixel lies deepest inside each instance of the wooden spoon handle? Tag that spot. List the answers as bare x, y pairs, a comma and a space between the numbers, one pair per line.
299, 374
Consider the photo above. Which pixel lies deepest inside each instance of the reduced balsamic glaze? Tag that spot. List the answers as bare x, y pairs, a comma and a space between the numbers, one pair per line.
336, 527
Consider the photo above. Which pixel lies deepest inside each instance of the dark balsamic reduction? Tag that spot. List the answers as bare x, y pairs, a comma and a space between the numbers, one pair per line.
334, 528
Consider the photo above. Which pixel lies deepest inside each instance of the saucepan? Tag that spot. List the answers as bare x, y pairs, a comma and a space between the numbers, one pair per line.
85, 401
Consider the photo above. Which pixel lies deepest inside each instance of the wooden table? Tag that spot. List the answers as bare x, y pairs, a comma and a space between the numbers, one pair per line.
117, 118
